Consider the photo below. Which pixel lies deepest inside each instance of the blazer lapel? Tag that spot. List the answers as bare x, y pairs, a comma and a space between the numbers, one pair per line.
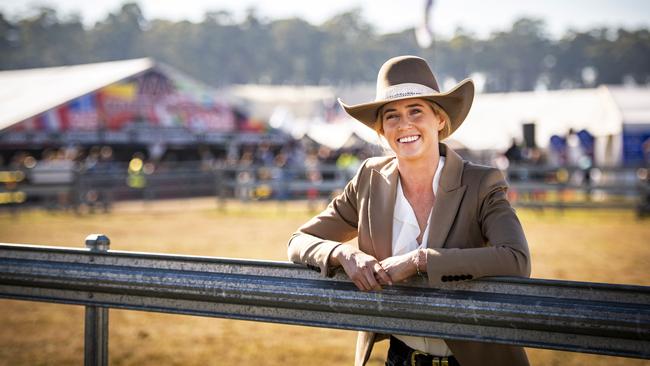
450, 194
381, 204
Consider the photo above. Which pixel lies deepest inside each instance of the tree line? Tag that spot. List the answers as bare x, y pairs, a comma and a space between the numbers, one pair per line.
343, 50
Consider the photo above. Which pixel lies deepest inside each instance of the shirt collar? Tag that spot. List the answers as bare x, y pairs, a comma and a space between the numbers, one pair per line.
403, 210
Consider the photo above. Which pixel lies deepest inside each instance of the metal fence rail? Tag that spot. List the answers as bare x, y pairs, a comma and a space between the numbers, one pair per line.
562, 315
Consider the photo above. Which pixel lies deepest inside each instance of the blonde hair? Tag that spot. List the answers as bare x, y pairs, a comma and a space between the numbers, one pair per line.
437, 110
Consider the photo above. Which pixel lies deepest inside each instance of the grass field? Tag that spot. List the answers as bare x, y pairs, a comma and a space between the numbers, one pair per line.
598, 246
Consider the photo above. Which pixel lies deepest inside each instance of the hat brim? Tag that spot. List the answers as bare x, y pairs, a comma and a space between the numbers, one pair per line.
456, 102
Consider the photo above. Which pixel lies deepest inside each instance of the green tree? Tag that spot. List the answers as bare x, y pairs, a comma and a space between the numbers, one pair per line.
42, 40
9, 44
344, 49
514, 60
118, 36
297, 47
628, 56
348, 49
457, 57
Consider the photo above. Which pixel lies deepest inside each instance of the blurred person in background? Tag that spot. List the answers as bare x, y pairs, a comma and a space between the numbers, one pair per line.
514, 154
421, 212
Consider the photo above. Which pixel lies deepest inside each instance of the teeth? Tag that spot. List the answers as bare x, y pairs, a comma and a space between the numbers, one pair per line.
408, 139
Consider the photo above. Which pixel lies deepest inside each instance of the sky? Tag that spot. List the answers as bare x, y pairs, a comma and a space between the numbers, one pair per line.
480, 17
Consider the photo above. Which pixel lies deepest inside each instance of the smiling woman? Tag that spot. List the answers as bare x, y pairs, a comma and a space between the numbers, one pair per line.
421, 212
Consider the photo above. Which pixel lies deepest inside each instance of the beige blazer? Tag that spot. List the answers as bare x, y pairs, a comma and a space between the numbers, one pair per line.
474, 232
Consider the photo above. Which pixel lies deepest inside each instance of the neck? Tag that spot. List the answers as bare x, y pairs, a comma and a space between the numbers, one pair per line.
417, 175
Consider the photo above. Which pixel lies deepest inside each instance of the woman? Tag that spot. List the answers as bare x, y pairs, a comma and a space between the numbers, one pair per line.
423, 210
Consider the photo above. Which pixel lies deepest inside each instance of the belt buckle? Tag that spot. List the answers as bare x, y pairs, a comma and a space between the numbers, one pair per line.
435, 361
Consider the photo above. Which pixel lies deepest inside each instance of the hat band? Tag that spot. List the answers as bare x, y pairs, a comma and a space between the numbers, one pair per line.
403, 90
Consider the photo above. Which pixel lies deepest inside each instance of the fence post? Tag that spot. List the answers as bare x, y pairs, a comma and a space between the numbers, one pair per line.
220, 187
96, 325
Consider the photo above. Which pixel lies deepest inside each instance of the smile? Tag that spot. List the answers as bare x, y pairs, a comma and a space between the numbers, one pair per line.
408, 139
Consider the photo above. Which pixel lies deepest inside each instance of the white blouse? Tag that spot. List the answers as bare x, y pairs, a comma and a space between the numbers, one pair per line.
405, 233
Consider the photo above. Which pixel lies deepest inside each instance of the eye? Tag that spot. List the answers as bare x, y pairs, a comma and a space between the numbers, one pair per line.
390, 117
416, 111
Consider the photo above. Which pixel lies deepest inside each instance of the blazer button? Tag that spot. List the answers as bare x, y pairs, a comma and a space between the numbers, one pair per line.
444, 278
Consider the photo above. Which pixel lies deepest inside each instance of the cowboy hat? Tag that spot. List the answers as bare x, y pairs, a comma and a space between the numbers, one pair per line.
406, 77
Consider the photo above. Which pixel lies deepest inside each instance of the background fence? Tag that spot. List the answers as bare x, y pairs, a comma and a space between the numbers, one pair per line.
540, 187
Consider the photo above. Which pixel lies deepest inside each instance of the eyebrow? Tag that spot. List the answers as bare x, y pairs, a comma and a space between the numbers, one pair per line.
414, 105
408, 106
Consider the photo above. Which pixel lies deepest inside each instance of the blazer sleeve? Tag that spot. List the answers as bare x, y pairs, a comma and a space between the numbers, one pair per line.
505, 252
314, 241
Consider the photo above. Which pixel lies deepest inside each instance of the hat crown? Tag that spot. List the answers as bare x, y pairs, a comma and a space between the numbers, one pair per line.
405, 70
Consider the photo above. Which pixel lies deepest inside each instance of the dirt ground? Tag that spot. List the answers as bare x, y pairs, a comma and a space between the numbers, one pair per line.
596, 246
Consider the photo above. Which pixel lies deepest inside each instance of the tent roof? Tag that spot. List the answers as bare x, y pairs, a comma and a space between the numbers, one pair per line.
27, 93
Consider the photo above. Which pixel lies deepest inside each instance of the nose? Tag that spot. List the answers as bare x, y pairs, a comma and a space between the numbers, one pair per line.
404, 122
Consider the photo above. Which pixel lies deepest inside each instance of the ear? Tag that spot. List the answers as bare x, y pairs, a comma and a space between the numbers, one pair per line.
441, 123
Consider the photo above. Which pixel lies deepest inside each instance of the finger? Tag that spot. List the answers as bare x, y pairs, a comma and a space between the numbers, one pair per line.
362, 284
370, 277
382, 275
369, 280
360, 280
382, 282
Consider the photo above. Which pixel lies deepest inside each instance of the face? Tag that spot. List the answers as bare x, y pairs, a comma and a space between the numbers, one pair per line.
411, 128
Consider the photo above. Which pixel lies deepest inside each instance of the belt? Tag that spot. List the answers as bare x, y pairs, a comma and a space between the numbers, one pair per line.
399, 354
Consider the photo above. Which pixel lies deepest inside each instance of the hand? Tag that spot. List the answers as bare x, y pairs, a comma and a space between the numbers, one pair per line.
363, 269
401, 267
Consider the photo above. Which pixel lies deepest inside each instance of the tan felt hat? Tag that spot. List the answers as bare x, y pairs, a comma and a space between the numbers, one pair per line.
406, 77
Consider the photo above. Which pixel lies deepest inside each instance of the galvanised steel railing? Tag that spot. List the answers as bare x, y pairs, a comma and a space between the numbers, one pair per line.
571, 316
